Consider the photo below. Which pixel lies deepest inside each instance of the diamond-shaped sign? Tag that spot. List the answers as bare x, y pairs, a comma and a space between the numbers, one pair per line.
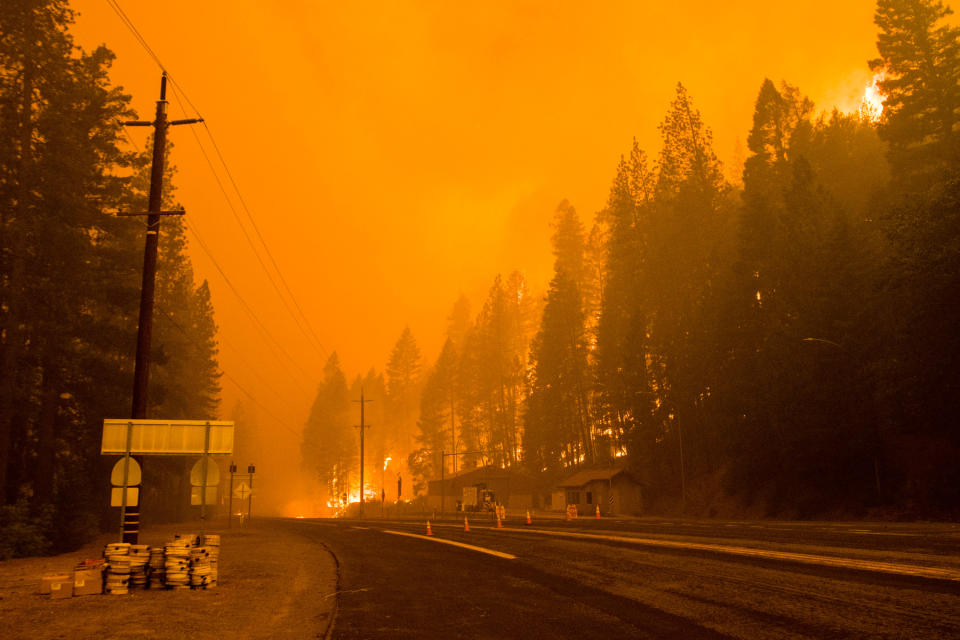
242, 491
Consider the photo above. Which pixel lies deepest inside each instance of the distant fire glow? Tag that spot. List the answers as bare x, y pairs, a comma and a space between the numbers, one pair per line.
871, 105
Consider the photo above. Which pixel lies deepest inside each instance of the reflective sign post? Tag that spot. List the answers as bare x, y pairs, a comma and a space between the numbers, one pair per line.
251, 470
233, 470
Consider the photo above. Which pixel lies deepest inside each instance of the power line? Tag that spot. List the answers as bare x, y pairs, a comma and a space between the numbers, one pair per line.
310, 333
281, 422
229, 377
243, 302
311, 338
136, 33
266, 248
250, 367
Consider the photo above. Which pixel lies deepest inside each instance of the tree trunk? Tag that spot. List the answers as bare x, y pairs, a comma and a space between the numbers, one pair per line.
46, 439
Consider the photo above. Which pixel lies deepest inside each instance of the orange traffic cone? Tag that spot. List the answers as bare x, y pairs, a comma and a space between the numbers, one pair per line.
429, 530
499, 524
598, 512
466, 525
528, 517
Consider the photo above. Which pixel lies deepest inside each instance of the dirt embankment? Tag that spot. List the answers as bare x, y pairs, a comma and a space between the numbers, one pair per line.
273, 584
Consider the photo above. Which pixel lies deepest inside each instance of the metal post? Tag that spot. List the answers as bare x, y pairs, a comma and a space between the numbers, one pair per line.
233, 469
361, 452
251, 470
203, 482
443, 488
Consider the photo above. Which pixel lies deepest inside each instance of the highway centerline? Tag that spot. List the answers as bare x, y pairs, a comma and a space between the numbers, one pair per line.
454, 543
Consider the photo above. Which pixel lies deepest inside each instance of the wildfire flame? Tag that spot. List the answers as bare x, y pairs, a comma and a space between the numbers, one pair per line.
386, 462
871, 105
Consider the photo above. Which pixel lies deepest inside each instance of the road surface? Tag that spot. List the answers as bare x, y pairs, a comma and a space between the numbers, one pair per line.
641, 579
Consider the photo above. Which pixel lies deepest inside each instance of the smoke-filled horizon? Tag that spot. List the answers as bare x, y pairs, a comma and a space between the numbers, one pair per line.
397, 156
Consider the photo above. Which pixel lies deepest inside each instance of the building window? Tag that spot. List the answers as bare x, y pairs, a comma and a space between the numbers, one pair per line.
589, 497
573, 497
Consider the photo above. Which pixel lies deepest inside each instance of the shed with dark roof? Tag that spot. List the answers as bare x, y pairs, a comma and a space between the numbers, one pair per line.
613, 489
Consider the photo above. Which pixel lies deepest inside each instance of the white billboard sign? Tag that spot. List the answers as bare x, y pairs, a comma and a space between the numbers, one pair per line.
166, 437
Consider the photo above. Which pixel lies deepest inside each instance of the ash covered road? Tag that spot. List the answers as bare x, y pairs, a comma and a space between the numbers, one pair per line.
642, 579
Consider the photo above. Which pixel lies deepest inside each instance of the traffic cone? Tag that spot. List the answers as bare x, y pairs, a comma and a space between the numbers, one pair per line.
499, 525
598, 512
466, 525
429, 530
528, 517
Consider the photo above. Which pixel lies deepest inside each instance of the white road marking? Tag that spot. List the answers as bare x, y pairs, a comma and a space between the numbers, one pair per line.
491, 552
804, 558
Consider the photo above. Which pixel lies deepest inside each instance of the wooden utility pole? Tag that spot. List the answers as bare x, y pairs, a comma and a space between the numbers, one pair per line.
361, 426
141, 370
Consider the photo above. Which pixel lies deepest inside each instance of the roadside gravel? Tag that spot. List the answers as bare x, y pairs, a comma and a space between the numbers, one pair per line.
274, 583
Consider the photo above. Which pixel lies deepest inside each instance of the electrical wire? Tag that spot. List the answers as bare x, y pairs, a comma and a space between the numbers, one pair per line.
229, 377
245, 304
313, 341
279, 421
310, 332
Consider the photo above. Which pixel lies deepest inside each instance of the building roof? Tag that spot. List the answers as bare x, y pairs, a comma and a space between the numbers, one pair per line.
516, 478
581, 478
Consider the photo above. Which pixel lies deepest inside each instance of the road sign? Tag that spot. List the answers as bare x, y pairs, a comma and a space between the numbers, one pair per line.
196, 492
213, 473
133, 472
242, 491
166, 437
116, 496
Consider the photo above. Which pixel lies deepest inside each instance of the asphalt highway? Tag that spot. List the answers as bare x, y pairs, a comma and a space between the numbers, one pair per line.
641, 579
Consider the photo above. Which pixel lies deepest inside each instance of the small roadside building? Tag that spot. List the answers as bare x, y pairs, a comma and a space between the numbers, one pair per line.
614, 489
512, 488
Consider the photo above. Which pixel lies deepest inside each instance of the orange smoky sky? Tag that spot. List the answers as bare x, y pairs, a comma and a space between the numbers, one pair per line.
395, 154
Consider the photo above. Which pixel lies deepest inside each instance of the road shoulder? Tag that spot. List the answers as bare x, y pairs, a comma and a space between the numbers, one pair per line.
274, 583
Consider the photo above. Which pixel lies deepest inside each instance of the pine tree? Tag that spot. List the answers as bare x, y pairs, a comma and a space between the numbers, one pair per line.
622, 343
328, 440
61, 170
436, 431
558, 427
403, 390
690, 242
920, 62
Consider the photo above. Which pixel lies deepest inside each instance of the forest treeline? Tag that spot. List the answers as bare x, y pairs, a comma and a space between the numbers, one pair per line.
70, 289
786, 344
